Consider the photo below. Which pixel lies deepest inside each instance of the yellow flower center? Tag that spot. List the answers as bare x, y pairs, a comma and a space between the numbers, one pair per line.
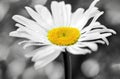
63, 36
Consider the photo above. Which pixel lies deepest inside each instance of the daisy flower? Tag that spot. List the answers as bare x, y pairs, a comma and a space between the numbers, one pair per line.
60, 30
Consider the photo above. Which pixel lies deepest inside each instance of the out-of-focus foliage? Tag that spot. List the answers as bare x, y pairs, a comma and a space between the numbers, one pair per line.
113, 12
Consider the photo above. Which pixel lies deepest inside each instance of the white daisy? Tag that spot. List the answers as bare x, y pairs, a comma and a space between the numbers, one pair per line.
60, 30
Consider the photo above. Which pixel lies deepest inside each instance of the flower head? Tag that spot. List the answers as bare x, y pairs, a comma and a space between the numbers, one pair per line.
60, 30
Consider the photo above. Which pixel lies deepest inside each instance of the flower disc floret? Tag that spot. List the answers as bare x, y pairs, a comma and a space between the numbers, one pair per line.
63, 36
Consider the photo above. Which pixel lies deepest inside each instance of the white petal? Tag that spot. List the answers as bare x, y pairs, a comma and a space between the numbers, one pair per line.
34, 44
106, 41
88, 35
25, 33
99, 41
27, 36
43, 62
89, 27
57, 14
76, 50
81, 23
45, 15
20, 19
25, 41
29, 23
90, 45
99, 26
93, 24
61, 13
68, 12
103, 31
94, 36
86, 16
89, 13
37, 18
93, 11
76, 16
32, 53
64, 15
28, 43
93, 3
40, 34
20, 34
96, 17
41, 54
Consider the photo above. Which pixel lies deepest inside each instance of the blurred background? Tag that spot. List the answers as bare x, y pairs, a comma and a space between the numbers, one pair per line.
102, 64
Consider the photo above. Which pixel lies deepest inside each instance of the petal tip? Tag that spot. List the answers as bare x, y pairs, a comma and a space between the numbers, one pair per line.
19, 43
26, 7
96, 0
114, 32
54, 2
102, 11
62, 2
37, 6
11, 34
107, 43
14, 17
94, 3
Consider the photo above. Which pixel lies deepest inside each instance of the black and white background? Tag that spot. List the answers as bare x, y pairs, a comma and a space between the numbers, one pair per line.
102, 64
